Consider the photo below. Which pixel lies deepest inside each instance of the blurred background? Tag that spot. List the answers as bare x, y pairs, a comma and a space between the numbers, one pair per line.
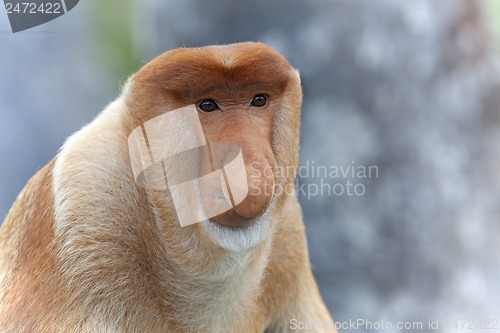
410, 87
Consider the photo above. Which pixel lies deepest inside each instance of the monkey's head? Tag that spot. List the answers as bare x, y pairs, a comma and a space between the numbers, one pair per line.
246, 94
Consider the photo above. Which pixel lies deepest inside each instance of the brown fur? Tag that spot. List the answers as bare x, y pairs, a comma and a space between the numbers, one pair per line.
84, 249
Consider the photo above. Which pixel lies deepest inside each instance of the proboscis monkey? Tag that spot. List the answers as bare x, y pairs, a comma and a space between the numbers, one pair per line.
93, 245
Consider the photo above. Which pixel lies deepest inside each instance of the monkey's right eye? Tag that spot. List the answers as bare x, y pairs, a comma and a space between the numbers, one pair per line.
208, 105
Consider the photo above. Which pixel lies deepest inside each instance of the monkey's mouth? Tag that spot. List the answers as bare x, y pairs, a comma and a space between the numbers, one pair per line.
245, 213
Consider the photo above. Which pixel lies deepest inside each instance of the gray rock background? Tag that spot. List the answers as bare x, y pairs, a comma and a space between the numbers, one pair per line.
411, 88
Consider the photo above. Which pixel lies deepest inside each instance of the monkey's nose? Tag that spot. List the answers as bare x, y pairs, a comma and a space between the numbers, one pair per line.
260, 193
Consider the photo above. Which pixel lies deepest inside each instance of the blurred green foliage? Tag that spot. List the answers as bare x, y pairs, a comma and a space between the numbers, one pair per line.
113, 22
492, 14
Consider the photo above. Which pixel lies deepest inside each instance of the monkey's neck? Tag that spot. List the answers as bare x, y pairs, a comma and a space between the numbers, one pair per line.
203, 283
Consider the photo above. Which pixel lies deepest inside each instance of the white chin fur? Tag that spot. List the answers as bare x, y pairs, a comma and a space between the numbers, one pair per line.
241, 239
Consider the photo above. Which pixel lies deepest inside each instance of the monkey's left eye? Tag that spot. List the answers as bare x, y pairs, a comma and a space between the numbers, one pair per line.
208, 105
259, 101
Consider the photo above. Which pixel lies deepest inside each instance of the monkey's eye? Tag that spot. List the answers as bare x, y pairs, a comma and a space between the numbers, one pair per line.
259, 101
208, 105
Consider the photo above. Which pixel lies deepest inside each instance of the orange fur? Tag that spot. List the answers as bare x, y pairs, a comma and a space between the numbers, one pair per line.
84, 249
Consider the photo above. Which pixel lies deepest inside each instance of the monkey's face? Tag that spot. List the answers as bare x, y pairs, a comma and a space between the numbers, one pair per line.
246, 94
